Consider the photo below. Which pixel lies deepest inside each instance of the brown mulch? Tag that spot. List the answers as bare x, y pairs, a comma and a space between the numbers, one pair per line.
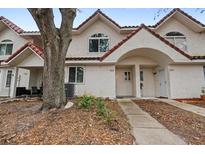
22, 123
189, 126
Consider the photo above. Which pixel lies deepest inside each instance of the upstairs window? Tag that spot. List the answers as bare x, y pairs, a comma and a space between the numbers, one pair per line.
178, 39
6, 47
98, 43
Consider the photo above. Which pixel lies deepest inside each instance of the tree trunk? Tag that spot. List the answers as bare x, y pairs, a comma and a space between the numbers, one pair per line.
56, 43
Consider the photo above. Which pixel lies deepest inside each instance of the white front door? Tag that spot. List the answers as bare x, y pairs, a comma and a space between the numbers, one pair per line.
124, 81
163, 84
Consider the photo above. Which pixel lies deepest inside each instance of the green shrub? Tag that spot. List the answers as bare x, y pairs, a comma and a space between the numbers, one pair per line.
101, 109
86, 102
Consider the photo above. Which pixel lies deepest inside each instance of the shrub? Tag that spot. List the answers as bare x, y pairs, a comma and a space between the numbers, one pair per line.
101, 109
86, 101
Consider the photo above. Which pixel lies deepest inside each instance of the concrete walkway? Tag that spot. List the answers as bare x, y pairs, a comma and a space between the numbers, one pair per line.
146, 129
188, 107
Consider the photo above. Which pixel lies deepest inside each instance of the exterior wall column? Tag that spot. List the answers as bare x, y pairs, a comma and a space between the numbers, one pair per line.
137, 81
13, 82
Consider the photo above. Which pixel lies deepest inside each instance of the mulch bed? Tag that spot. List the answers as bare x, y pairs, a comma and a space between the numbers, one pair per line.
189, 126
22, 123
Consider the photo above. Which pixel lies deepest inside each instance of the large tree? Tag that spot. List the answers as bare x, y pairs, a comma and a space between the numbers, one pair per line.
55, 44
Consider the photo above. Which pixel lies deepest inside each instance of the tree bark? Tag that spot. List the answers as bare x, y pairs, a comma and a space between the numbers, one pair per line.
55, 43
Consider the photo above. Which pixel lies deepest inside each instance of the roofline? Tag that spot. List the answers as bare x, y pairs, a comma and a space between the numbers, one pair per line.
11, 25
172, 13
153, 33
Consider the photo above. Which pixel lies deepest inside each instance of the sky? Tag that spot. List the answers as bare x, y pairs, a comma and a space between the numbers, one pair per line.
124, 17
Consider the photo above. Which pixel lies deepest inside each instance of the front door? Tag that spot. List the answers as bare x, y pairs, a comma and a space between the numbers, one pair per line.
124, 80
163, 84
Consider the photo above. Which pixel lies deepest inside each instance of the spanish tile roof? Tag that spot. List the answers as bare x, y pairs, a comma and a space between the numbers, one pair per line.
11, 25
93, 15
82, 58
36, 49
182, 12
153, 33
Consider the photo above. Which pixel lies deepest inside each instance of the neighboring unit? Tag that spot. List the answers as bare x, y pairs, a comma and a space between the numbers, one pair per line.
107, 60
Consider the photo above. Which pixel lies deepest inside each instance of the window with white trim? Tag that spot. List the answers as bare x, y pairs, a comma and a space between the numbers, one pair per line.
98, 43
6, 47
178, 39
8, 78
76, 74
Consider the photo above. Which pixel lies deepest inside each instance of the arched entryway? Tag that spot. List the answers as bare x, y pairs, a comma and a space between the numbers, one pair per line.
143, 73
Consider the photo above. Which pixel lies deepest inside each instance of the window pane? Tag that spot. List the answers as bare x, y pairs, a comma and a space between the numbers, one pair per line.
141, 76
72, 71
9, 49
125, 73
2, 49
181, 43
171, 40
104, 46
8, 79
204, 71
79, 74
93, 45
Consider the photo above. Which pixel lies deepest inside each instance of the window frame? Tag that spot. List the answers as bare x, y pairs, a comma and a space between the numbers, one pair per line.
7, 78
76, 75
175, 37
6, 42
98, 38
204, 71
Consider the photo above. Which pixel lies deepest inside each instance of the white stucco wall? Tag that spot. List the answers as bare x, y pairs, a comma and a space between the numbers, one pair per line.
18, 41
195, 41
186, 81
144, 39
98, 81
79, 46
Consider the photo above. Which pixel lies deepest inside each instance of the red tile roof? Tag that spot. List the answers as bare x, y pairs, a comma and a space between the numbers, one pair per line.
93, 15
82, 58
153, 33
30, 45
182, 12
11, 25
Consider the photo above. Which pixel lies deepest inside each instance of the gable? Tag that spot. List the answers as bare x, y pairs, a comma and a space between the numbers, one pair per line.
31, 61
99, 26
145, 38
184, 18
8, 34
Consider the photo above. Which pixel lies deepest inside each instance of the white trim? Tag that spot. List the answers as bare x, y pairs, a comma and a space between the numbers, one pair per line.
22, 52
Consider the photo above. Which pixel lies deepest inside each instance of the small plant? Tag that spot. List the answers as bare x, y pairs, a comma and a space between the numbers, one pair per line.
109, 116
101, 109
106, 114
86, 102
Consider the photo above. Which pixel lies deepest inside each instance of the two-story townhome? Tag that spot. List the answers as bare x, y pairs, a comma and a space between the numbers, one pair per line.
107, 60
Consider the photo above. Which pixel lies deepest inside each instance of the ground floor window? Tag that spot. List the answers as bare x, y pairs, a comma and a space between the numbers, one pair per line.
76, 74
8, 78
204, 71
